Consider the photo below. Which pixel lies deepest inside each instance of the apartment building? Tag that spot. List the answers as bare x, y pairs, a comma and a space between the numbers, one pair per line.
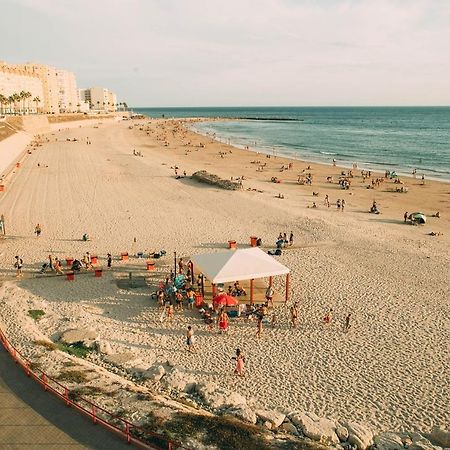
15, 81
99, 98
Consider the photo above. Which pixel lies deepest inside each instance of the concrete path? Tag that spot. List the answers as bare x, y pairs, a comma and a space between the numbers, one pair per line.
31, 418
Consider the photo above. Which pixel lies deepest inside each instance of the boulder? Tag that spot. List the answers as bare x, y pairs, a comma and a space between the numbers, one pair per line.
440, 436
87, 336
388, 441
103, 347
316, 428
342, 433
421, 443
275, 417
217, 398
179, 381
243, 412
359, 435
289, 427
154, 373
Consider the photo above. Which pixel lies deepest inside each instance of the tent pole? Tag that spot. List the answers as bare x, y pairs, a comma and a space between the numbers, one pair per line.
287, 287
192, 273
270, 281
251, 291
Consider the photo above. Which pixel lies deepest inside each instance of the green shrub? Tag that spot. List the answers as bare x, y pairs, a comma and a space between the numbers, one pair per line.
36, 314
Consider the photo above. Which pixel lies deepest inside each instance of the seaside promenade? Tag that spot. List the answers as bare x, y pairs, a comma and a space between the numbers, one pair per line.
31, 418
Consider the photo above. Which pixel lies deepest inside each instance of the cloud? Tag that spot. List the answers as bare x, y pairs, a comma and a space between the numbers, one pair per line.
246, 52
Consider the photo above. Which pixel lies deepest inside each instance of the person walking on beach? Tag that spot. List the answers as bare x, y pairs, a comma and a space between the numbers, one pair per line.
342, 205
347, 323
38, 230
338, 204
240, 360
190, 339
259, 326
109, 260
18, 265
327, 201
170, 312
405, 216
291, 239
294, 315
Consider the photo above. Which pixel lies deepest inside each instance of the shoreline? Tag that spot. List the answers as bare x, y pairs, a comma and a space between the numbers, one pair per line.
266, 150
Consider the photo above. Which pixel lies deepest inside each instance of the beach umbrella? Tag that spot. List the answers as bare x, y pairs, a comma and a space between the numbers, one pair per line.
418, 217
224, 300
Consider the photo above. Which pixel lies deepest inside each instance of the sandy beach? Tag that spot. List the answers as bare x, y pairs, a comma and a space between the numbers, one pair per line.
390, 371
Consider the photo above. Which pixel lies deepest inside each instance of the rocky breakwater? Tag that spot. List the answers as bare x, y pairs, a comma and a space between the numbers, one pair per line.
205, 177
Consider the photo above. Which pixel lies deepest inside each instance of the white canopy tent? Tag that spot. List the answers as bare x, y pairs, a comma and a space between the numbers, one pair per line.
240, 264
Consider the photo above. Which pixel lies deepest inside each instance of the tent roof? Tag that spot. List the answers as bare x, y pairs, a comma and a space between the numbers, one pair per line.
240, 264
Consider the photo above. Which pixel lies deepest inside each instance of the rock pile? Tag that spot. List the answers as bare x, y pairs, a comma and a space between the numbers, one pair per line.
204, 177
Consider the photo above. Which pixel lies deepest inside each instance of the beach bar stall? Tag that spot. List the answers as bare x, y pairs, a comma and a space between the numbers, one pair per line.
238, 265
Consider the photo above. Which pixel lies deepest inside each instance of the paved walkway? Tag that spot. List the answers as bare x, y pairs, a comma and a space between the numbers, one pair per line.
31, 418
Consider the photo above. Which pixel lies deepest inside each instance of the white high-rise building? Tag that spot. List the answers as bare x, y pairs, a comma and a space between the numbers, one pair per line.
15, 81
59, 86
99, 98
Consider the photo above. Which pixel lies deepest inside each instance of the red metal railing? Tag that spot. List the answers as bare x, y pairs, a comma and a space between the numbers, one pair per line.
133, 434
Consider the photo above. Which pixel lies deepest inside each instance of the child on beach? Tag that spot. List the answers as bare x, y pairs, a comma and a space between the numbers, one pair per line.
328, 317
58, 267
294, 315
38, 230
240, 360
222, 321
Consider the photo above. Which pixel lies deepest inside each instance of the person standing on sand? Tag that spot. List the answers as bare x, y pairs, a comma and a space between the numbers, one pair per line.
405, 216
269, 295
181, 266
38, 230
109, 260
423, 180
240, 360
18, 265
222, 321
291, 239
259, 326
51, 262
347, 323
342, 205
190, 339
294, 315
58, 268
338, 204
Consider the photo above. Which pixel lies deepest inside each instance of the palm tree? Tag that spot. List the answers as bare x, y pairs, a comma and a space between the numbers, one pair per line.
125, 105
16, 98
37, 100
27, 96
3, 101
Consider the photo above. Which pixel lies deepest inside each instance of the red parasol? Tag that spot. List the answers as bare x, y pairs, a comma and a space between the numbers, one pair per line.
224, 300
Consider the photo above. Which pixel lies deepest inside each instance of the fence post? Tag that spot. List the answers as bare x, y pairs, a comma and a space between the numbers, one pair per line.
44, 380
66, 396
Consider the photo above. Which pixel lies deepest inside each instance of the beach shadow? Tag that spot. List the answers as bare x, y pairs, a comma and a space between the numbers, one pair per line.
395, 221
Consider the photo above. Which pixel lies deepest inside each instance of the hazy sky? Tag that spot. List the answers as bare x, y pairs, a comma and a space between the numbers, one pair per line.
240, 52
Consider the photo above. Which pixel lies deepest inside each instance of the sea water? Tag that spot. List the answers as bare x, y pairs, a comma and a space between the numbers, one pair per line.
376, 138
